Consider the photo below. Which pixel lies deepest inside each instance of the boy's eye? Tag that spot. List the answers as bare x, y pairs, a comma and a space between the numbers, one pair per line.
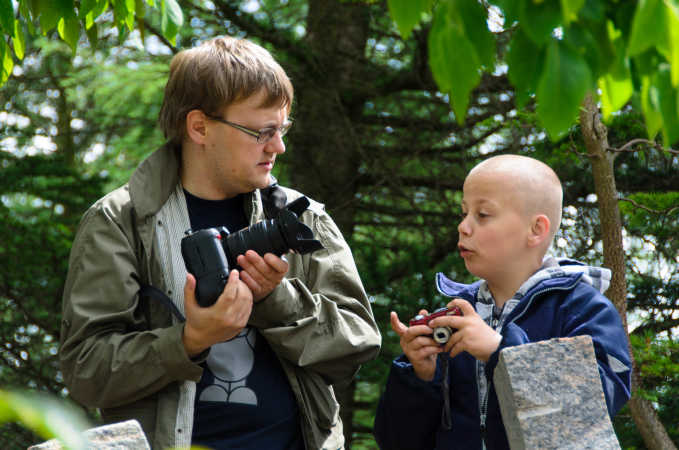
482, 215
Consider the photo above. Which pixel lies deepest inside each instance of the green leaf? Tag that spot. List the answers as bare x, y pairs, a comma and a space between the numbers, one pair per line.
593, 10
539, 19
565, 80
472, 20
129, 18
614, 94
45, 416
49, 16
7, 17
174, 12
6, 61
92, 34
408, 13
524, 60
650, 105
453, 60
90, 10
18, 41
171, 19
570, 9
648, 27
616, 85
667, 97
672, 20
69, 31
581, 40
140, 9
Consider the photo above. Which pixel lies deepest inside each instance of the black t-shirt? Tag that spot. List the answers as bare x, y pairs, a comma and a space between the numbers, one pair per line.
243, 399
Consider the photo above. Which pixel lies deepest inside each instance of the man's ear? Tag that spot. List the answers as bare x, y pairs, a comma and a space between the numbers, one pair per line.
196, 127
539, 230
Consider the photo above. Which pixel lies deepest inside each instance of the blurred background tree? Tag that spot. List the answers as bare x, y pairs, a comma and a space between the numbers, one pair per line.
375, 139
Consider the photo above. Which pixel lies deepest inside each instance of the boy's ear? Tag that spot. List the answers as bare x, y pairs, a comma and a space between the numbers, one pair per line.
196, 129
539, 230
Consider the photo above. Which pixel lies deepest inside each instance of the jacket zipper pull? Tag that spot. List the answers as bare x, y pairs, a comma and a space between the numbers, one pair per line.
483, 433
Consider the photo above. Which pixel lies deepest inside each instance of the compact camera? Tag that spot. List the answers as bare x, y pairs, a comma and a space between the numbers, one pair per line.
440, 334
210, 254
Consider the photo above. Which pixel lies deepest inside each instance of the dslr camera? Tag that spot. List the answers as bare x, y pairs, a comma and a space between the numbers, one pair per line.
440, 334
211, 253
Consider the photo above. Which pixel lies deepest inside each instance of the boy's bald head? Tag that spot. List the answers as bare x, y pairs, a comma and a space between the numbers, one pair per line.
536, 185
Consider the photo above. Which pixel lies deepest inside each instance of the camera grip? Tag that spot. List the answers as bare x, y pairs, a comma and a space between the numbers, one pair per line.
205, 259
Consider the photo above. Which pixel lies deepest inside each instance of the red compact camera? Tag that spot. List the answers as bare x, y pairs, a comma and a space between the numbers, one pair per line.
441, 334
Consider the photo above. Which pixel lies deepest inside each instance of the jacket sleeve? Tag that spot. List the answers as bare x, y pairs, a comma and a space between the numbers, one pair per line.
108, 357
319, 316
587, 312
409, 411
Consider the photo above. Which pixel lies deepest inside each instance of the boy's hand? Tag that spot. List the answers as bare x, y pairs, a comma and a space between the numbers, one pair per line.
421, 350
473, 335
219, 322
261, 273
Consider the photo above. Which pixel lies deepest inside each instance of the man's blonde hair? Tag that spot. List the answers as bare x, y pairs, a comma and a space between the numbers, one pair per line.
216, 74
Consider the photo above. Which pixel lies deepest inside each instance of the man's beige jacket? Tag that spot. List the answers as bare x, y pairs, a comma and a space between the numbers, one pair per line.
124, 354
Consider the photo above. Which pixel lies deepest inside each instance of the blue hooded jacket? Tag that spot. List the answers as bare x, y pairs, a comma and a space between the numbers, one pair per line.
563, 299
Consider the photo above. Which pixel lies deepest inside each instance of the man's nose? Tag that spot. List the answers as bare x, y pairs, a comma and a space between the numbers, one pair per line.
276, 144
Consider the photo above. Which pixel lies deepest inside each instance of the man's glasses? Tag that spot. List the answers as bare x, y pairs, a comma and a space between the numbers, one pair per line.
263, 136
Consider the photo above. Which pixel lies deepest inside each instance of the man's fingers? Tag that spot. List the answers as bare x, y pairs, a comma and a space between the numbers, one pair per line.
190, 291
250, 281
231, 288
279, 265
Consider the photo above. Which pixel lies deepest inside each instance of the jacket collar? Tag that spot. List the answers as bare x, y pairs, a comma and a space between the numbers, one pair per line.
154, 180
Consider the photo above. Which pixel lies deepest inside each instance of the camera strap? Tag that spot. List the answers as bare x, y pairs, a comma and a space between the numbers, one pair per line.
273, 199
446, 418
148, 291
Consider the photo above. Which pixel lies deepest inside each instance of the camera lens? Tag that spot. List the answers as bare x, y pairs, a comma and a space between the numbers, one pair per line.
442, 334
262, 237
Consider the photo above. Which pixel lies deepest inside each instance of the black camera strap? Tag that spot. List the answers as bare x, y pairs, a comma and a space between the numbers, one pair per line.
148, 291
273, 199
446, 418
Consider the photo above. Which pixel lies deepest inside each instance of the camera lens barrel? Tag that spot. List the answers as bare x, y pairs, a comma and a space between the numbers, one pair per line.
442, 334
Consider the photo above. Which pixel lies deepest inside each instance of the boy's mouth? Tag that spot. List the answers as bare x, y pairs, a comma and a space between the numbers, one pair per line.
463, 250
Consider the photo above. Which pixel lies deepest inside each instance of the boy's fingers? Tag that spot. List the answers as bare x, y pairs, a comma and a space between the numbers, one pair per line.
396, 324
464, 306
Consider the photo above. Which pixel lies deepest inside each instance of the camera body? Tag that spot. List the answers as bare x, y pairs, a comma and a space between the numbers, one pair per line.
211, 253
440, 334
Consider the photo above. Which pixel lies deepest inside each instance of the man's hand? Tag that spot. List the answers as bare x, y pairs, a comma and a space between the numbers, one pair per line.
420, 349
219, 322
473, 335
261, 274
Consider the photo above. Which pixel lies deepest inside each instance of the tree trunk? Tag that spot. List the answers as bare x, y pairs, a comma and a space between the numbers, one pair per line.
595, 135
325, 152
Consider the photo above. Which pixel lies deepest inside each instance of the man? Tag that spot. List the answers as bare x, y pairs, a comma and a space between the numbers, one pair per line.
254, 369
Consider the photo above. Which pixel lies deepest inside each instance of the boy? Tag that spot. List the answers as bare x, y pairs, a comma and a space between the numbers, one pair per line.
511, 211
256, 368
